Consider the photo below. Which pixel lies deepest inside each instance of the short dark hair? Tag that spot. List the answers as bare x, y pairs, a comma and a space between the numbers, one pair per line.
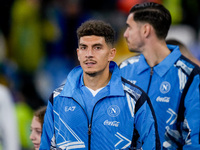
155, 14
98, 28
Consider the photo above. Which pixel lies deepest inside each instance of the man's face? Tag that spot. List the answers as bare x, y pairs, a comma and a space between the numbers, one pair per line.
94, 54
133, 34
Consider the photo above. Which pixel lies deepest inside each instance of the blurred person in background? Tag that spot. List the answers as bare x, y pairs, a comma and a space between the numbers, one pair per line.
26, 47
184, 50
9, 136
61, 19
36, 126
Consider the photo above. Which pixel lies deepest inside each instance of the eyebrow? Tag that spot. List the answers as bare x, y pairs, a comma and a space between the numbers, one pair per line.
82, 44
96, 44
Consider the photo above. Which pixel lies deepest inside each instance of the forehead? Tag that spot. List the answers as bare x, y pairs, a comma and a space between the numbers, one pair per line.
92, 39
130, 19
35, 122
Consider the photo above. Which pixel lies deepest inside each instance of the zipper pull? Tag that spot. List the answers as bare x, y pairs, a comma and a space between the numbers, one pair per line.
151, 72
89, 130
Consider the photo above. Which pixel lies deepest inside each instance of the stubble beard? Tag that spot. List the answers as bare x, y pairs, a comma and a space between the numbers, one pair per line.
91, 74
134, 50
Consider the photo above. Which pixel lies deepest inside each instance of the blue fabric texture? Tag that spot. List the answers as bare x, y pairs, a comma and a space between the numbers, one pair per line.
113, 119
173, 88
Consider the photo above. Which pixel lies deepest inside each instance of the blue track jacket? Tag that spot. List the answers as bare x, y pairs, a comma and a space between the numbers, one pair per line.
118, 118
173, 88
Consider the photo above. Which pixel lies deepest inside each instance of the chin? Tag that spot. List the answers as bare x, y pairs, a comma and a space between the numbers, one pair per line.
134, 50
37, 147
91, 73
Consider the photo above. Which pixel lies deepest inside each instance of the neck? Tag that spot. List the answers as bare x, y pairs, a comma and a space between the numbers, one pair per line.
156, 53
96, 82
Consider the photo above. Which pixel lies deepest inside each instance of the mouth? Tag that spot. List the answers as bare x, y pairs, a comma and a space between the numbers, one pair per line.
36, 145
127, 41
90, 63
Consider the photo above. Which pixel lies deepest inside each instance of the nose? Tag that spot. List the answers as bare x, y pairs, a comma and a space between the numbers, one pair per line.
89, 52
125, 33
32, 137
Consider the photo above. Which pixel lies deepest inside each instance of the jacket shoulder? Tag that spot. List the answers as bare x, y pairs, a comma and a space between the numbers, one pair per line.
129, 61
187, 66
56, 92
136, 93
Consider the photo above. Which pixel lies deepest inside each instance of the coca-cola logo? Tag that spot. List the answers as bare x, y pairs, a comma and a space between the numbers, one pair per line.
111, 123
163, 99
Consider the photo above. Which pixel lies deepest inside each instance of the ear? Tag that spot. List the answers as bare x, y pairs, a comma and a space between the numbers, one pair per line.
112, 54
146, 29
77, 51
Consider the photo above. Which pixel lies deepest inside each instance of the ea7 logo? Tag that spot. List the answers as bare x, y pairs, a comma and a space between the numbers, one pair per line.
165, 87
69, 108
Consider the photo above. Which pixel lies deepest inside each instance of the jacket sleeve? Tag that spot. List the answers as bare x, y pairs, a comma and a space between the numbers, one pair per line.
47, 139
187, 134
191, 124
146, 125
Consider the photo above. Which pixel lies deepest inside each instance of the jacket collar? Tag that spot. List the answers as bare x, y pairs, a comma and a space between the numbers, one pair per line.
72, 85
162, 68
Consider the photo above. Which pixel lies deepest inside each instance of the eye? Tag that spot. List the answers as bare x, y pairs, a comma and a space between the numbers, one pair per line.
38, 131
82, 47
98, 47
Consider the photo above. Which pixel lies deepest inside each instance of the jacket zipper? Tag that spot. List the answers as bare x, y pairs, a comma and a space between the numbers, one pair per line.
89, 123
151, 73
89, 135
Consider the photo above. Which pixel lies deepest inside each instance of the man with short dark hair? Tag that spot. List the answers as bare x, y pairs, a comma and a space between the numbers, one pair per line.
170, 80
97, 109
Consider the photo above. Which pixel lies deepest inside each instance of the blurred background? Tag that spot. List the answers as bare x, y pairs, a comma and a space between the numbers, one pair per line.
38, 44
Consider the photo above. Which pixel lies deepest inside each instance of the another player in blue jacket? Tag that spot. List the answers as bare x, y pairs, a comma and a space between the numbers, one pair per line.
170, 80
97, 109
